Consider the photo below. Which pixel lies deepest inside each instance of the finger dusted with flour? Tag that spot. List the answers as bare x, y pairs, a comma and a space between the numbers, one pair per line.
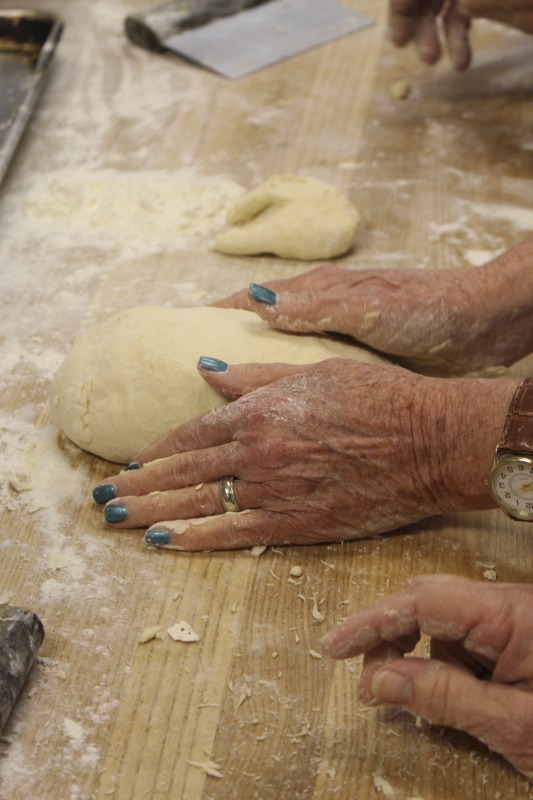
477, 631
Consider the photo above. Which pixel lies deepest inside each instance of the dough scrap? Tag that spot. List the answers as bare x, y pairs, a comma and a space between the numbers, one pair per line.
133, 377
291, 217
400, 90
148, 634
182, 632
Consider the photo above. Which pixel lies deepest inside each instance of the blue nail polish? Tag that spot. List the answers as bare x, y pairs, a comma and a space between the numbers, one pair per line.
213, 364
157, 538
103, 493
115, 513
133, 465
263, 295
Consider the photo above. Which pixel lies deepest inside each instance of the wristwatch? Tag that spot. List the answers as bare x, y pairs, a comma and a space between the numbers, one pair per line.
511, 477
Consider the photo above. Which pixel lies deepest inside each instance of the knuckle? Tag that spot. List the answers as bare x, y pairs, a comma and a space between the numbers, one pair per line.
328, 270
207, 501
518, 728
441, 705
416, 582
155, 506
175, 472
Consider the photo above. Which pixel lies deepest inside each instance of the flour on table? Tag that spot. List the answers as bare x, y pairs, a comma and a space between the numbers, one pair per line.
133, 377
291, 217
132, 213
383, 786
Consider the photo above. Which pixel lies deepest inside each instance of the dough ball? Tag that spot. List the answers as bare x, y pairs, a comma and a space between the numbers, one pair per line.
300, 218
133, 377
400, 90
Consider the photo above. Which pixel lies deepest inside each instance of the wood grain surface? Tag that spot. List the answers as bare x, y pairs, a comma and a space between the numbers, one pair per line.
442, 179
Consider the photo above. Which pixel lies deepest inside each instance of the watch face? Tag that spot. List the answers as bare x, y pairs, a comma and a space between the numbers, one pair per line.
511, 485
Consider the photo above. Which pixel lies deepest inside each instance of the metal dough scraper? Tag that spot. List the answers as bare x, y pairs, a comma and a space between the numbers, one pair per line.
237, 37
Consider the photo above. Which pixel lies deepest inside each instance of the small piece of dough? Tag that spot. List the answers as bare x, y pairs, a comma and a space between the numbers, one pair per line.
150, 633
182, 632
133, 377
291, 217
400, 90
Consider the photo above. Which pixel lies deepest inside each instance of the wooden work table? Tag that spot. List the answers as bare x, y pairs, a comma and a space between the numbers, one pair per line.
442, 179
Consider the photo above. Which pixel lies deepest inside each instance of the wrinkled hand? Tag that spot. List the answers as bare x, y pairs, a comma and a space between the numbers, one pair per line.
479, 676
439, 321
322, 452
419, 21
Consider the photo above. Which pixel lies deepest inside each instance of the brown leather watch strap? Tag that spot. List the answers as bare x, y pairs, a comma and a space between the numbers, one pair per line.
518, 429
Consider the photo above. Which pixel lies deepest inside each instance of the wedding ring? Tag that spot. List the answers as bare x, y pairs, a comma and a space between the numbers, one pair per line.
227, 495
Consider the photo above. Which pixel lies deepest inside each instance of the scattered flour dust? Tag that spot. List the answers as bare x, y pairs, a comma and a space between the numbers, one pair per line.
33, 359
37, 474
132, 213
38, 483
519, 217
77, 738
383, 786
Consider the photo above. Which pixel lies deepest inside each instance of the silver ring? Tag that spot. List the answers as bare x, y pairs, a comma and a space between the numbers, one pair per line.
227, 495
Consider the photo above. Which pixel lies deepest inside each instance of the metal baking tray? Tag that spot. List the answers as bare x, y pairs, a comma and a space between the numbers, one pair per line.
28, 41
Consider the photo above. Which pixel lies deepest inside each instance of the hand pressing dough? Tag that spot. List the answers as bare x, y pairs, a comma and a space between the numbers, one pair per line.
301, 218
133, 377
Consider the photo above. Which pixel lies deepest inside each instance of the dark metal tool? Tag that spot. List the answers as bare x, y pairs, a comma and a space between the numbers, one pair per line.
28, 41
153, 28
21, 635
237, 37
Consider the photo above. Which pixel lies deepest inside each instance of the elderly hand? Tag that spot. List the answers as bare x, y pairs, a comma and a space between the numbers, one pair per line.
479, 675
322, 452
418, 21
440, 321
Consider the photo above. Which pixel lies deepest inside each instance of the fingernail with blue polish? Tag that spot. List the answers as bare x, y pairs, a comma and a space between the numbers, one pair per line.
263, 295
103, 493
213, 364
133, 465
157, 538
115, 513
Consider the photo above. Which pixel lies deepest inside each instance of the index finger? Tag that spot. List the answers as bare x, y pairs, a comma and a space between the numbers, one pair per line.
318, 279
450, 608
416, 21
405, 17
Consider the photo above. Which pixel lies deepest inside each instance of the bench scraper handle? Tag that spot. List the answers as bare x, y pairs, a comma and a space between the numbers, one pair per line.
152, 28
21, 635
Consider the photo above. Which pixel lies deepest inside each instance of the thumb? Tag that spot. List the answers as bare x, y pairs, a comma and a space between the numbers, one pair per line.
500, 716
239, 379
